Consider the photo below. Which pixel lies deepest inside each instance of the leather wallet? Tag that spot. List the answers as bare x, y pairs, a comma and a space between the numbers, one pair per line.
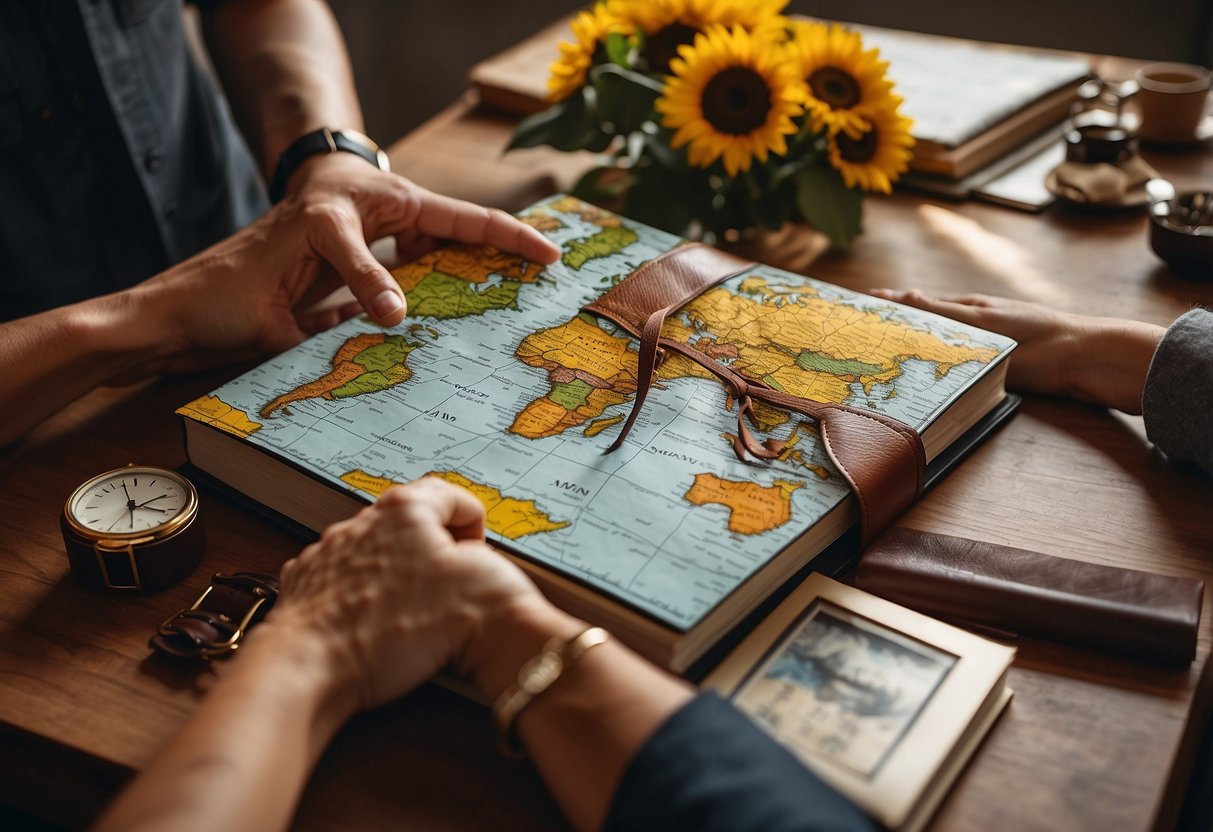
1123, 611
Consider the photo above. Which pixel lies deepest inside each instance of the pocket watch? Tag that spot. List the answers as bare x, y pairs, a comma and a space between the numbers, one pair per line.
135, 528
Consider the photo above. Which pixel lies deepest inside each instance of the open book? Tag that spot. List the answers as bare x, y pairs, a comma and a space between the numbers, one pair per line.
500, 383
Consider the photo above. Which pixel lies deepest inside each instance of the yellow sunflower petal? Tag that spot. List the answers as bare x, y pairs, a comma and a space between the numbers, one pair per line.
842, 79
875, 159
567, 73
732, 98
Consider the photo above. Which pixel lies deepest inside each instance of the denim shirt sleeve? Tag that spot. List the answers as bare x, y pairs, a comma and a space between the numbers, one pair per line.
118, 155
710, 769
194, 166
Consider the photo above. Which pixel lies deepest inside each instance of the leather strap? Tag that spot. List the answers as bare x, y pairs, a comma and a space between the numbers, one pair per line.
881, 458
217, 622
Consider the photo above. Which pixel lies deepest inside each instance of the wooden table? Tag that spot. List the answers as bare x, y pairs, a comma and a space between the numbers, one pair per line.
1089, 742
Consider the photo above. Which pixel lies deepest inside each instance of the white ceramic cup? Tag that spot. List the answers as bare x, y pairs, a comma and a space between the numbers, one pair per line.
1171, 100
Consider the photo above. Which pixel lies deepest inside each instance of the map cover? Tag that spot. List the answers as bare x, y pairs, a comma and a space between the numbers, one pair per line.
497, 383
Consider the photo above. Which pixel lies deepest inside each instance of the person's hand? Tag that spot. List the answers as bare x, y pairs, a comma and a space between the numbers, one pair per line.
354, 202
404, 588
255, 293
1100, 360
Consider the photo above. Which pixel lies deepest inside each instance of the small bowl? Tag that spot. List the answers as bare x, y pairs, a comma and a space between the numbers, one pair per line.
1181, 232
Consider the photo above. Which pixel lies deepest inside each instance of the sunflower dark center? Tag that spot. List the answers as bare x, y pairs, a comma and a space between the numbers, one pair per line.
661, 47
835, 87
857, 151
736, 100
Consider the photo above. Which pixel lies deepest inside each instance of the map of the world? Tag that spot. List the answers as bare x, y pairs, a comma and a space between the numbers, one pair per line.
497, 383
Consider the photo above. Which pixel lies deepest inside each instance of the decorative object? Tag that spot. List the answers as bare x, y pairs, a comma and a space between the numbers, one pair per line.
719, 116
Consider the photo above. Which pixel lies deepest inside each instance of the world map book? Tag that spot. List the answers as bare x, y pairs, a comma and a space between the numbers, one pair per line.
498, 382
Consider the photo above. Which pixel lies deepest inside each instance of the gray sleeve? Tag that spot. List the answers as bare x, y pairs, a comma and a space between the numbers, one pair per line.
1178, 397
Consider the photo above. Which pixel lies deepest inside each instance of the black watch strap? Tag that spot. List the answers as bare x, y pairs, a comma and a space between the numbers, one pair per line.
323, 140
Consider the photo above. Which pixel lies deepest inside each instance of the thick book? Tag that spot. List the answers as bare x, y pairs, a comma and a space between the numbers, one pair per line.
499, 382
883, 703
972, 102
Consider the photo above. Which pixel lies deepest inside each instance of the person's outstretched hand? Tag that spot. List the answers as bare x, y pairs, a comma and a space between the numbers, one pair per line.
253, 293
1100, 360
347, 202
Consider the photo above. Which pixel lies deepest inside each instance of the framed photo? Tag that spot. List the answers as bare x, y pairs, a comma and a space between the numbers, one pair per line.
881, 702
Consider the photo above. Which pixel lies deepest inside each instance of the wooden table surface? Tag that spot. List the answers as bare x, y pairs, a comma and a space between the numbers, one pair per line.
1089, 742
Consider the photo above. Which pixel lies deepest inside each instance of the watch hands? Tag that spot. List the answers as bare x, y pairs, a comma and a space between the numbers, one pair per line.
152, 500
130, 504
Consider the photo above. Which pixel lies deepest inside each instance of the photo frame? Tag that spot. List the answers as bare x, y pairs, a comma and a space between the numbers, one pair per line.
881, 702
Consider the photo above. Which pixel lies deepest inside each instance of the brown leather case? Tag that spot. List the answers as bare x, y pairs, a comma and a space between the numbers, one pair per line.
1123, 611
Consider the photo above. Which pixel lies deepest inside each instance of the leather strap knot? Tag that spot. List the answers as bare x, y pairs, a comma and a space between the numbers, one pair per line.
881, 458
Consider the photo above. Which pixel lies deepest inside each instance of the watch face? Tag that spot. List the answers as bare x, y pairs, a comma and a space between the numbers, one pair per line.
135, 500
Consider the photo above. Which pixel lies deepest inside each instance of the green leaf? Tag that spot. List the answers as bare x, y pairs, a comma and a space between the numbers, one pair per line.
625, 98
829, 205
618, 49
568, 125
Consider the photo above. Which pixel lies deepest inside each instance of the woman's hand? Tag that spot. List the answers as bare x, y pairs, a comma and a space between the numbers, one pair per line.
1100, 360
402, 589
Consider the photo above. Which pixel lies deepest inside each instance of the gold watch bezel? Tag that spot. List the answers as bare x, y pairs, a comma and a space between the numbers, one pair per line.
121, 540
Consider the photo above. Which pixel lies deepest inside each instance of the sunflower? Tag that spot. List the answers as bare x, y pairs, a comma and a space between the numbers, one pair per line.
842, 78
878, 155
568, 72
731, 95
669, 24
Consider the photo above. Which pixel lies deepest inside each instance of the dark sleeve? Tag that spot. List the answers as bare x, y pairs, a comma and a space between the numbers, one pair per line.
710, 769
1178, 399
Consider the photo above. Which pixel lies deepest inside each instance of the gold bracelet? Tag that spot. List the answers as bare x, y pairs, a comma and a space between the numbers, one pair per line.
534, 677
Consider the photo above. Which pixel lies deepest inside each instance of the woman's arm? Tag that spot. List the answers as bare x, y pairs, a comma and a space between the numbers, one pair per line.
377, 606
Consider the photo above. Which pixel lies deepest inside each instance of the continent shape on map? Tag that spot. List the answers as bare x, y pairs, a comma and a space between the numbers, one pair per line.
753, 508
589, 370
450, 282
509, 517
805, 345
366, 363
212, 410
798, 342
611, 238
809, 347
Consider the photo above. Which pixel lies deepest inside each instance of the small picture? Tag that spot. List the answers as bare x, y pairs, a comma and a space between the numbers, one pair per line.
841, 687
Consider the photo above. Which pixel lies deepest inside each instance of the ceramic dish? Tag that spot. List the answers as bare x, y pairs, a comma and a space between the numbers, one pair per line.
1181, 232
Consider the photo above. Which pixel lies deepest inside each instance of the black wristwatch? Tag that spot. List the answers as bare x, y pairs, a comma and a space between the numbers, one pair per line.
323, 140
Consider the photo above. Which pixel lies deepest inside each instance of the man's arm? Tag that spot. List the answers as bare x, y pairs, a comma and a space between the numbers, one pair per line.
285, 69
250, 295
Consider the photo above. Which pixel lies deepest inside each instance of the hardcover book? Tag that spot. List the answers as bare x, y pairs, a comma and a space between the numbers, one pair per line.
500, 382
884, 704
